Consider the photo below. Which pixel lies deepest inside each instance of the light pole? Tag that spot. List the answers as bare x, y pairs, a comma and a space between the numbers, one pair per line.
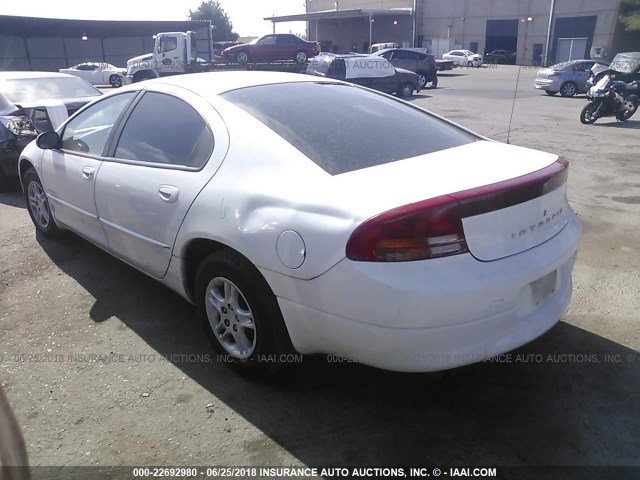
526, 21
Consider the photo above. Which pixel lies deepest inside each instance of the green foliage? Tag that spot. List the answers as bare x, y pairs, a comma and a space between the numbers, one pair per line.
222, 26
630, 14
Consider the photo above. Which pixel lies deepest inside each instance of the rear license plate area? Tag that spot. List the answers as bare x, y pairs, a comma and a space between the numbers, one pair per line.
544, 287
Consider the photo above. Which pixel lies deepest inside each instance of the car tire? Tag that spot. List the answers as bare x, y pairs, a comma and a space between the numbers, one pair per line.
242, 57
226, 284
115, 81
38, 205
405, 90
3, 181
568, 89
550, 93
300, 57
422, 78
469, 64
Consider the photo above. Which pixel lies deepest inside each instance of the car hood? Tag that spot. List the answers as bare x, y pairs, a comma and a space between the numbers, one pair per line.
235, 48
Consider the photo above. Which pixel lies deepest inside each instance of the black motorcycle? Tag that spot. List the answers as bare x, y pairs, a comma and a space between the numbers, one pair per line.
609, 98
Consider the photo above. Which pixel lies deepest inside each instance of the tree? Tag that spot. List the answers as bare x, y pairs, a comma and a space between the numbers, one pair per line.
222, 26
630, 14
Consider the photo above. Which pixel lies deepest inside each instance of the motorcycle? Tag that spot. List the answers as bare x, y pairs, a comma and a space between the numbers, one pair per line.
610, 98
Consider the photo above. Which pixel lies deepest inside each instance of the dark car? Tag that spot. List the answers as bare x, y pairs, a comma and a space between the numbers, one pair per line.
33, 103
366, 70
504, 57
280, 46
422, 63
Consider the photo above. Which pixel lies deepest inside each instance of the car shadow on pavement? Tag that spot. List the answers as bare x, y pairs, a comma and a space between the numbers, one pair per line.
451, 75
568, 398
13, 197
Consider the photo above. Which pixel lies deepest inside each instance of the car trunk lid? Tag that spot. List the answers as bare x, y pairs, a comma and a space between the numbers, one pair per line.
511, 198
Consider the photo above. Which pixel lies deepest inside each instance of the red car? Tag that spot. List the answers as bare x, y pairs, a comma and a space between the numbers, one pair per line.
280, 46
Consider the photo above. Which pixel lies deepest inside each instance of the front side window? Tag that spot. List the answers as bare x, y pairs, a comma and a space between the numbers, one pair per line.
271, 40
334, 136
168, 44
89, 131
166, 130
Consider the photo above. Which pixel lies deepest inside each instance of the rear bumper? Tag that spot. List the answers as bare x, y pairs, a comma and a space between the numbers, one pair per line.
547, 84
431, 315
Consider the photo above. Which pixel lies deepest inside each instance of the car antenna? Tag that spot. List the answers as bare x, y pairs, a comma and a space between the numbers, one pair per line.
513, 106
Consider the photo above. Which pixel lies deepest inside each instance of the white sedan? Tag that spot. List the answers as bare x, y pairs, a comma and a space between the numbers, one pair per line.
464, 58
421, 246
97, 73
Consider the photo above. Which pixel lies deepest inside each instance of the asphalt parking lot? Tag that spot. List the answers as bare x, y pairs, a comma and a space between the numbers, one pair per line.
98, 360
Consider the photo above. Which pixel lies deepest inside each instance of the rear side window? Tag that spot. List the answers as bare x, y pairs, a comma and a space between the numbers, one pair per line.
166, 130
346, 128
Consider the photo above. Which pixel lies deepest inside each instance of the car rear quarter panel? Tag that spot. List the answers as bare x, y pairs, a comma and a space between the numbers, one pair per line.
263, 188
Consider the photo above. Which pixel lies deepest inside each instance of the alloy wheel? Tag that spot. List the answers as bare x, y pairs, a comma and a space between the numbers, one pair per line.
568, 90
38, 204
230, 318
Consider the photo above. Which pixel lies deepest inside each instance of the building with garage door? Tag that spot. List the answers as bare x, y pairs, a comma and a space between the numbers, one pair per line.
539, 31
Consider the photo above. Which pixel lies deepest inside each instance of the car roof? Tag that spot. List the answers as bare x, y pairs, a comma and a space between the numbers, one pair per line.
572, 62
26, 75
221, 82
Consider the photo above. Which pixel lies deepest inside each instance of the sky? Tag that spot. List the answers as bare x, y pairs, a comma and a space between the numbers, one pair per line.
246, 15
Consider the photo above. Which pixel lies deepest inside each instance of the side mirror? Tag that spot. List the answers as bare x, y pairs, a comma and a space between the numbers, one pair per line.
48, 141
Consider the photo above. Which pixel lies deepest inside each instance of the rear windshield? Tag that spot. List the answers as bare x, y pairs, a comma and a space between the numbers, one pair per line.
57, 88
343, 128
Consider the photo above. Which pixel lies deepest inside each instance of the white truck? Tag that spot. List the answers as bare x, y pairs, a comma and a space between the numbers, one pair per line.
174, 53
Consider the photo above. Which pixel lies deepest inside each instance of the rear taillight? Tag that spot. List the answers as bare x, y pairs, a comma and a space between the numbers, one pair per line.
428, 229
433, 228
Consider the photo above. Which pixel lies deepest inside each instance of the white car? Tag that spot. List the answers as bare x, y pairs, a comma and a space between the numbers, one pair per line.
463, 57
97, 73
416, 246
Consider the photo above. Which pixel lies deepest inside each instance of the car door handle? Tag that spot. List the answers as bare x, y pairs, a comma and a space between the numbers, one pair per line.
169, 193
87, 172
